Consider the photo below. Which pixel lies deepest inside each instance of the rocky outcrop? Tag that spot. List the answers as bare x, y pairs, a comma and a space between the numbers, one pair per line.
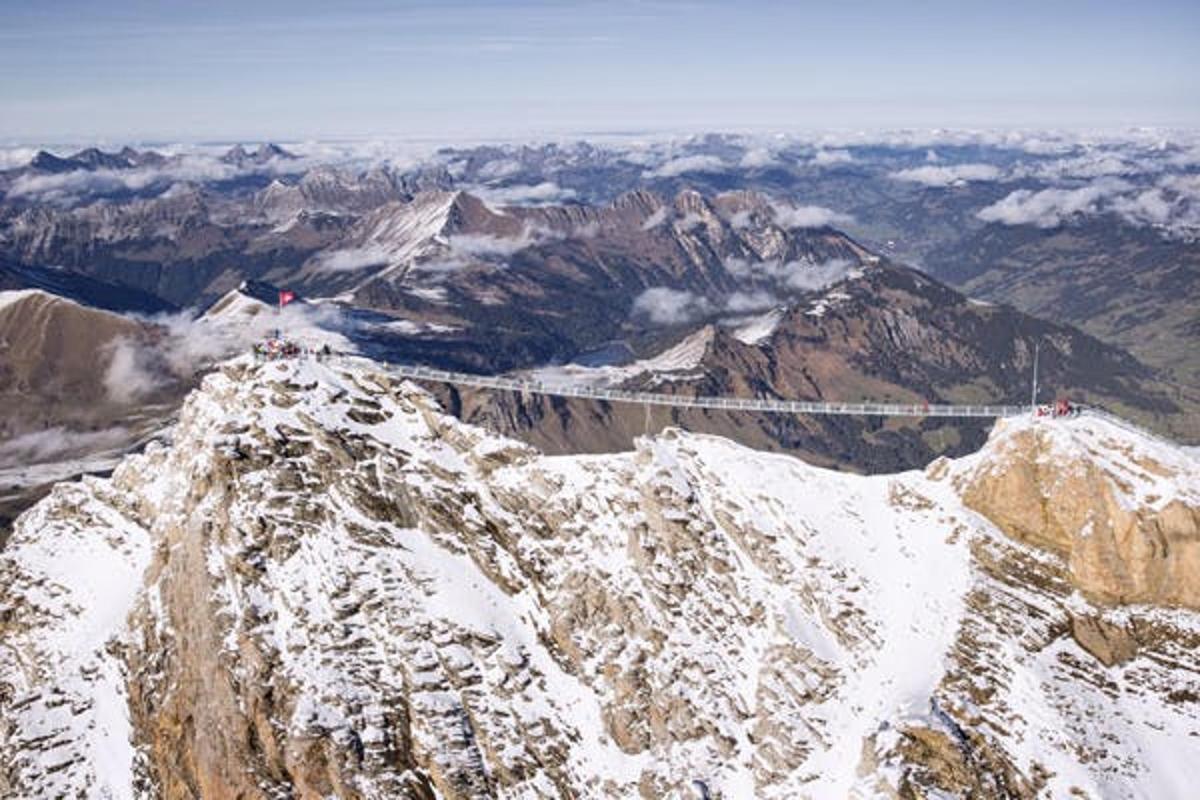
1123, 512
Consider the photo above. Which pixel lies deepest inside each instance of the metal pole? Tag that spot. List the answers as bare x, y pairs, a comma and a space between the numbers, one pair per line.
1033, 395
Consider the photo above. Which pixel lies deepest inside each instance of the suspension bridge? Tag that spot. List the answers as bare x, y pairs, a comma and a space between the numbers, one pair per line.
558, 388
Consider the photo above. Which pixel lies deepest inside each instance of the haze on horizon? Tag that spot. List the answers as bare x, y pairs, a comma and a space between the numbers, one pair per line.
192, 71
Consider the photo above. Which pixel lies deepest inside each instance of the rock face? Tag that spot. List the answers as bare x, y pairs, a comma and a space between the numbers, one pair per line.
326, 587
1123, 511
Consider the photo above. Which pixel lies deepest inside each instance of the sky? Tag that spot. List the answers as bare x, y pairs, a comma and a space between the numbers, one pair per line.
230, 71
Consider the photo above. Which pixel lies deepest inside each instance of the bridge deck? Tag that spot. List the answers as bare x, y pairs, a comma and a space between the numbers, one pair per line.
564, 389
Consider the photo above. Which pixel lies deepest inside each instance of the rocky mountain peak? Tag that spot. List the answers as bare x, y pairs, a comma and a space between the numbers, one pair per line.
323, 584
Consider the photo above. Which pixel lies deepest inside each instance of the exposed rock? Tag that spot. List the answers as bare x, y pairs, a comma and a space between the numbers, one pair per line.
1123, 512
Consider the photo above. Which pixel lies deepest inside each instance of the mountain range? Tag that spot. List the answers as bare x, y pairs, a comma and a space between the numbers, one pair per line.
767, 297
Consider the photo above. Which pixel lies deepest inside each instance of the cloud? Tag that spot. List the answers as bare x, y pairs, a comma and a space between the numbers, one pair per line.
801, 275
39, 447
499, 168
11, 157
741, 219
808, 277
742, 302
1089, 165
350, 259
79, 185
757, 157
824, 157
483, 244
678, 166
132, 372
440, 267
187, 343
665, 306
689, 221
1049, 208
1174, 204
956, 175
1151, 207
544, 193
655, 219
792, 217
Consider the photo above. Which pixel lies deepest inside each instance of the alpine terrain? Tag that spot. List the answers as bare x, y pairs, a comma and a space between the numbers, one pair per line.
323, 585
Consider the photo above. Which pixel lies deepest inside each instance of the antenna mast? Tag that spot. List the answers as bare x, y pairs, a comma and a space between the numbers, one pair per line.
1033, 394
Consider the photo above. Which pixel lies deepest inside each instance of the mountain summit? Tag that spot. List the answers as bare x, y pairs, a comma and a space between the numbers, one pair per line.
325, 586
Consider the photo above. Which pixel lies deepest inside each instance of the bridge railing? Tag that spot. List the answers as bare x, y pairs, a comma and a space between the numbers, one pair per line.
558, 388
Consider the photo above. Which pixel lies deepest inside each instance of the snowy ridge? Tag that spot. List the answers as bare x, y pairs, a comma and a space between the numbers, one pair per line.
12, 296
409, 606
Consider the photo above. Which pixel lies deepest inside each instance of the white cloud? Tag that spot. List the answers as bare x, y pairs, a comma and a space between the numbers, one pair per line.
689, 221
807, 277
11, 157
955, 175
758, 157
70, 187
131, 372
741, 220
39, 447
741, 302
137, 368
546, 192
655, 219
1149, 207
440, 267
803, 276
1049, 208
1089, 165
665, 306
350, 259
824, 157
679, 166
483, 244
499, 168
792, 217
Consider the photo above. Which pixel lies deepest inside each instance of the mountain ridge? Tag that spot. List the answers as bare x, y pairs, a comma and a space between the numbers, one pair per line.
320, 596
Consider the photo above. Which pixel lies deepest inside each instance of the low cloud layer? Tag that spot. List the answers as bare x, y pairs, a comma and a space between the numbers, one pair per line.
1049, 208
40, 447
767, 284
664, 306
679, 166
955, 175
544, 193
826, 157
350, 259
799, 276
793, 217
78, 185
758, 157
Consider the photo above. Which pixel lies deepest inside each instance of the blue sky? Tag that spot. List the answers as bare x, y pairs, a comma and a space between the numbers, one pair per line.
218, 70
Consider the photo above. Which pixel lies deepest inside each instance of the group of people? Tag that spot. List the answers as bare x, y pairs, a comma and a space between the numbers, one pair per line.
1061, 408
276, 348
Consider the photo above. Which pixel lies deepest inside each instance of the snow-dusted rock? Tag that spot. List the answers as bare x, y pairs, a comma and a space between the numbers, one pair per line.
326, 587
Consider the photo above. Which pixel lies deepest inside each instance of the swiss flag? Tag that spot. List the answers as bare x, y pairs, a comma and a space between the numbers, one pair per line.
285, 298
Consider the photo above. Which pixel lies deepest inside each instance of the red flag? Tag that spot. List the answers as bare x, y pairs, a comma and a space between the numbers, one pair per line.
285, 298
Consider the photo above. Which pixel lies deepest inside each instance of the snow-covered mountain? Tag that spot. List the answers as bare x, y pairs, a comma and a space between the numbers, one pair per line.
324, 586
